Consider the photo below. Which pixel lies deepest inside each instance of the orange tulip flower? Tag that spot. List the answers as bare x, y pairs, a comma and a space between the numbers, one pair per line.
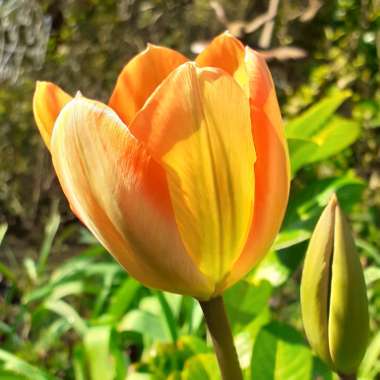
184, 176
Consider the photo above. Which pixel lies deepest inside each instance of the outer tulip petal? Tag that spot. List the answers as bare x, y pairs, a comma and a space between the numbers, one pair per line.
48, 101
140, 77
226, 52
121, 194
272, 171
197, 124
315, 284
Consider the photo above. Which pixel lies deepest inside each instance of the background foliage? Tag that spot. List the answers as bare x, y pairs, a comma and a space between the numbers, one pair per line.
67, 311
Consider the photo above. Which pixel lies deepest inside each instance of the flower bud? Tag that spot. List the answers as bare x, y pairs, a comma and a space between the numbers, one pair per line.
333, 293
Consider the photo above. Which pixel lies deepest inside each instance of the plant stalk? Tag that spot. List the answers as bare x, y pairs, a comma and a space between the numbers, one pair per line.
220, 331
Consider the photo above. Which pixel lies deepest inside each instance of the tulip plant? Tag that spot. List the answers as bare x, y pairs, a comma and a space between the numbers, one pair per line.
184, 178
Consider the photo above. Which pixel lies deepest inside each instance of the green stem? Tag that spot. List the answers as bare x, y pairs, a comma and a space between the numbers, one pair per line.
220, 331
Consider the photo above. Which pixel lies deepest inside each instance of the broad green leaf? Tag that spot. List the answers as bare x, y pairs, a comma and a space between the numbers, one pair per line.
98, 356
149, 325
318, 133
299, 152
201, 367
245, 300
309, 122
279, 353
337, 134
245, 339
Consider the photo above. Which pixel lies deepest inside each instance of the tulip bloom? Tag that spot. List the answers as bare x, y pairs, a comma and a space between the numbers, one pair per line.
184, 175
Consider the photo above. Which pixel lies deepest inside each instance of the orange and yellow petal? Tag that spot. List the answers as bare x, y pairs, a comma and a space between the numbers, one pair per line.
227, 53
140, 77
48, 100
272, 171
197, 125
120, 193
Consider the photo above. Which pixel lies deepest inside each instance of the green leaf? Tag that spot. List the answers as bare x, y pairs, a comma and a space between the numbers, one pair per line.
79, 363
279, 353
3, 231
51, 229
121, 300
201, 367
337, 134
290, 237
97, 350
318, 134
245, 300
13, 364
168, 315
149, 325
311, 121
67, 312
370, 366
271, 269
299, 151
306, 205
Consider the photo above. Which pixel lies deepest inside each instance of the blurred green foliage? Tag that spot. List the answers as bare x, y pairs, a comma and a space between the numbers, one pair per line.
68, 311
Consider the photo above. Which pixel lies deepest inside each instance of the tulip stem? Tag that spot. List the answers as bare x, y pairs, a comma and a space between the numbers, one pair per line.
220, 331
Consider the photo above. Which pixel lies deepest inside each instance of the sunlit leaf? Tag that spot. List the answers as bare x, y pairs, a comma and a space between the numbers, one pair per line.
279, 353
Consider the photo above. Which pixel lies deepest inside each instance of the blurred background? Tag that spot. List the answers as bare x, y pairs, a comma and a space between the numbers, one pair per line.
66, 310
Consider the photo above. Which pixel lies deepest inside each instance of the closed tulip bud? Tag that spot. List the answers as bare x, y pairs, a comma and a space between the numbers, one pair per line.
333, 294
184, 175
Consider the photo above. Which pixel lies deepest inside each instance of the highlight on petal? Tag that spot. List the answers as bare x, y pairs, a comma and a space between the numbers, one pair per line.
140, 77
272, 171
120, 193
48, 100
197, 125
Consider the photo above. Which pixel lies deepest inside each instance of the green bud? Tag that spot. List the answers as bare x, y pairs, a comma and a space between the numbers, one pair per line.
333, 293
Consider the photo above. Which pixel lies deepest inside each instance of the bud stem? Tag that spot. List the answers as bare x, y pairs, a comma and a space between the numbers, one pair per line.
220, 331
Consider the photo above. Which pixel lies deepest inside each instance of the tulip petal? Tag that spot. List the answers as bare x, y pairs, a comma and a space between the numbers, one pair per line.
226, 52
120, 193
48, 100
197, 125
272, 170
315, 285
140, 77
348, 318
